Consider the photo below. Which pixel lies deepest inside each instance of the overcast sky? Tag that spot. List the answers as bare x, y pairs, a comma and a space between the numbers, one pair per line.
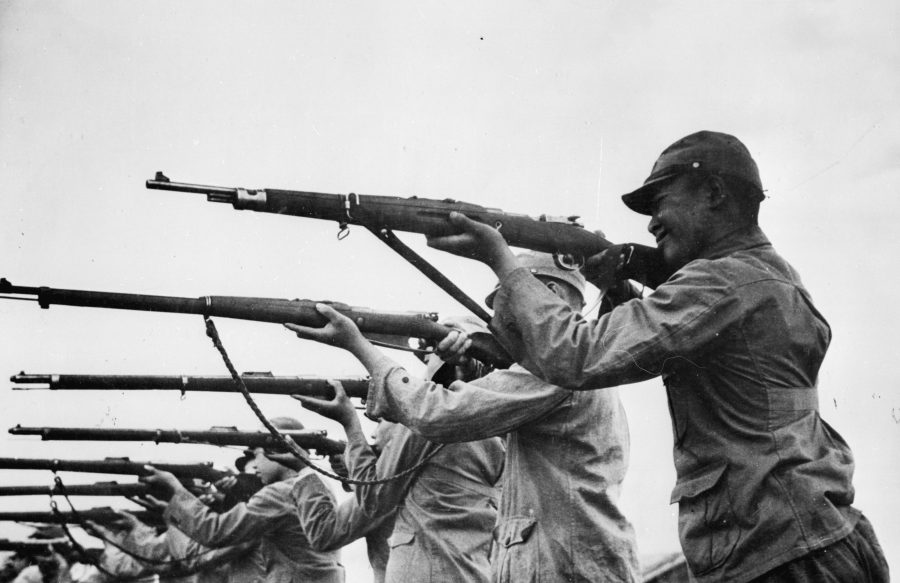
530, 107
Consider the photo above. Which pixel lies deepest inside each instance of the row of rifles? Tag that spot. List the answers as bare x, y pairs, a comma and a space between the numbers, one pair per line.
381, 215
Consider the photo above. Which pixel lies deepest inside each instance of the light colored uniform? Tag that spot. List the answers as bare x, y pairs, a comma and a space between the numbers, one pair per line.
444, 512
269, 517
566, 457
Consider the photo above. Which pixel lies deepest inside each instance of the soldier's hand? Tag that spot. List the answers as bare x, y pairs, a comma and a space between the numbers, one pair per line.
474, 240
340, 408
111, 530
165, 482
129, 520
452, 349
604, 269
286, 459
340, 330
226, 483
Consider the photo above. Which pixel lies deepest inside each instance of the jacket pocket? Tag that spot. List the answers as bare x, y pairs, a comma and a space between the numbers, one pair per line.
706, 521
515, 562
406, 561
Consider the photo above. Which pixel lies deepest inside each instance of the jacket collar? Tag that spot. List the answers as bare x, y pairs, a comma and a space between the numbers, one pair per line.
739, 240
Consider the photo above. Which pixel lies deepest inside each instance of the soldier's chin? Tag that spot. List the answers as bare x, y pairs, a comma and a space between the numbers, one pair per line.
673, 258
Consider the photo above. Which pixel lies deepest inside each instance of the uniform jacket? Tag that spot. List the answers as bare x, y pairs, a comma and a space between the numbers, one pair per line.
268, 517
762, 479
444, 512
330, 526
567, 453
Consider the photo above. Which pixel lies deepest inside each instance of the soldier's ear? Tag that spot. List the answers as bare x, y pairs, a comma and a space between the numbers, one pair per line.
554, 287
715, 191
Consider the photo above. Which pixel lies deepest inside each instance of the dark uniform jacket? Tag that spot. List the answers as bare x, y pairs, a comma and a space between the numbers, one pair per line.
762, 479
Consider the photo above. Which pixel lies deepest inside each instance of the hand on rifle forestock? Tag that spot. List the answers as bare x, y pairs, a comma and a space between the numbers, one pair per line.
166, 483
340, 330
340, 408
286, 459
452, 349
477, 241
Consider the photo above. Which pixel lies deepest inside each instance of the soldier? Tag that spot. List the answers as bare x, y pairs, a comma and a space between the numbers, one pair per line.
442, 515
268, 517
567, 452
764, 484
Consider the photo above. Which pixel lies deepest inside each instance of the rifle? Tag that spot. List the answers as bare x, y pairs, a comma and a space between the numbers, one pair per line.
100, 515
35, 546
96, 489
410, 324
564, 237
115, 465
256, 382
307, 439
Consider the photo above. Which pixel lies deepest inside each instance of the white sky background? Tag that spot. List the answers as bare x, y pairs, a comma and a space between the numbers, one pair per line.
529, 107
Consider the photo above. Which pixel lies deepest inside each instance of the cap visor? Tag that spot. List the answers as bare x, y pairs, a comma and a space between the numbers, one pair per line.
641, 200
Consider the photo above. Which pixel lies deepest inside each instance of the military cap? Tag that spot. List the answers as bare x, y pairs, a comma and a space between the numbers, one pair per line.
542, 264
710, 152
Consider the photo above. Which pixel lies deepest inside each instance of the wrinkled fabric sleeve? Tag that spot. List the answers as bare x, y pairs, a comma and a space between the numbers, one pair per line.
404, 450
120, 564
630, 344
329, 525
465, 411
244, 522
193, 556
143, 541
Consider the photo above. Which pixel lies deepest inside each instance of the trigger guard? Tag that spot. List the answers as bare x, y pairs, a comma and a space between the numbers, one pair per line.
567, 261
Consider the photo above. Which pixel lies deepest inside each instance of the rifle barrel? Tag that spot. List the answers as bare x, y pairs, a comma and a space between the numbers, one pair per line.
98, 489
307, 439
557, 235
123, 466
414, 324
262, 383
34, 546
101, 515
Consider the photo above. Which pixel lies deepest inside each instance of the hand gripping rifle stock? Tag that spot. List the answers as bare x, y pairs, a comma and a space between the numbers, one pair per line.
256, 382
563, 237
303, 312
315, 440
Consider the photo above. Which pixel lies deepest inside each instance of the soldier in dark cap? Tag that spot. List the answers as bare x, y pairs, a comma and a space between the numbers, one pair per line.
763, 483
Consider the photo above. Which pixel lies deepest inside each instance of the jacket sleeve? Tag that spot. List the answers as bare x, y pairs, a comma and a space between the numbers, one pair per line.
245, 522
629, 344
329, 525
402, 451
193, 556
465, 411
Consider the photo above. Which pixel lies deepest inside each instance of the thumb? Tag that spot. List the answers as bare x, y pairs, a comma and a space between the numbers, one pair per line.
462, 221
314, 404
338, 386
330, 313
